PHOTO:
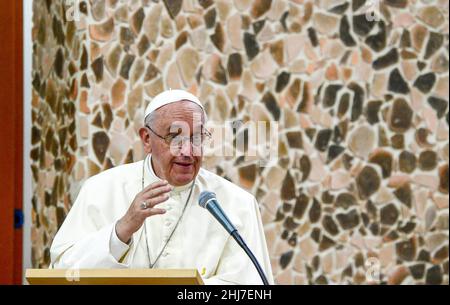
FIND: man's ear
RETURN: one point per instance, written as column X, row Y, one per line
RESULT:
column 144, row 134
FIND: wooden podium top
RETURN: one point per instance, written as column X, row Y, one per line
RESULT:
column 113, row 277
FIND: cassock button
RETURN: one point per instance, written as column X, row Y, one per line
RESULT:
column 165, row 254
column 168, row 224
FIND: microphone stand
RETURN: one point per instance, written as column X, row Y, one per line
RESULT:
column 221, row 217
column 247, row 250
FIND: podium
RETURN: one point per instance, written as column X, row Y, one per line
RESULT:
column 113, row 277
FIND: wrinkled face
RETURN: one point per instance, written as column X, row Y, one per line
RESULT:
column 175, row 161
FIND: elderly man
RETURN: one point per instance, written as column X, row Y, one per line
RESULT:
column 145, row 214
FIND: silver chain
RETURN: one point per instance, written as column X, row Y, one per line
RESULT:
column 173, row 231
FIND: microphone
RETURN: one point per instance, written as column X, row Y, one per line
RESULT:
column 208, row 200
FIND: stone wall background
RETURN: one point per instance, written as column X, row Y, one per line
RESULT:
column 362, row 176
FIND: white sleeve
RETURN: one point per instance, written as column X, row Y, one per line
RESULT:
column 116, row 246
column 86, row 239
column 93, row 251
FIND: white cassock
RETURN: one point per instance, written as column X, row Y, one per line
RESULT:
column 87, row 238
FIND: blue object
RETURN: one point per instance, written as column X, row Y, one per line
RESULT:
column 18, row 219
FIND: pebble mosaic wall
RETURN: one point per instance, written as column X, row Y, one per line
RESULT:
column 359, row 89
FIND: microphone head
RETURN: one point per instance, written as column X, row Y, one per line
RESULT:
column 204, row 197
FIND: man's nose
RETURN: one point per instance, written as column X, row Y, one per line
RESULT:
column 186, row 148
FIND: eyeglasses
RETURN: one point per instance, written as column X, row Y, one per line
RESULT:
column 177, row 140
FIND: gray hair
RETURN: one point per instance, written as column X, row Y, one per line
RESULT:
column 151, row 118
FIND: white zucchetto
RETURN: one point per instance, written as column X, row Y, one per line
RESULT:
column 168, row 97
